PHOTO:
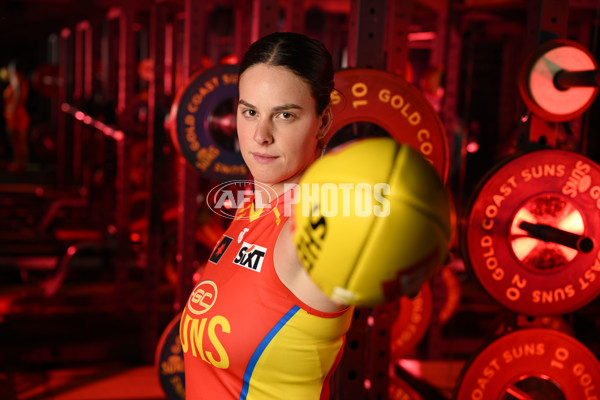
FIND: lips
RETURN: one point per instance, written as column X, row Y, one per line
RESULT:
column 263, row 158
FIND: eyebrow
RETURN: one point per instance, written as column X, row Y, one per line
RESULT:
column 288, row 106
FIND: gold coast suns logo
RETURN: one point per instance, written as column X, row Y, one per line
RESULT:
column 203, row 297
column 201, row 335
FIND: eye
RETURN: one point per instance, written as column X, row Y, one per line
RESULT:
column 286, row 115
column 249, row 112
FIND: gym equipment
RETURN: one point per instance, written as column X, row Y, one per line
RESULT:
column 46, row 81
column 532, row 231
column 391, row 103
column 531, row 364
column 169, row 361
column 410, row 387
column 555, row 322
column 202, row 121
column 451, row 295
column 400, row 390
column 412, row 322
column 559, row 80
column 372, row 221
column 415, row 314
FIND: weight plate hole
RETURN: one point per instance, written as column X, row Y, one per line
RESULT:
column 222, row 125
column 534, row 388
column 546, row 233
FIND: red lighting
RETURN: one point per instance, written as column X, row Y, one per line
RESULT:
column 414, row 367
column 79, row 115
column 83, row 25
column 113, row 13
column 135, row 237
column 227, row 204
column 196, row 277
column 118, row 135
column 420, row 36
column 472, row 147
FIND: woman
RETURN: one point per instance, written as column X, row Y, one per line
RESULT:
column 256, row 326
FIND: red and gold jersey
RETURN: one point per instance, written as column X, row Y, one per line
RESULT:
column 244, row 334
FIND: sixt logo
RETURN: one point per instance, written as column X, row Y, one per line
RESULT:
column 250, row 256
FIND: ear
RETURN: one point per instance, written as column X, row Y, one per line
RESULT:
column 326, row 120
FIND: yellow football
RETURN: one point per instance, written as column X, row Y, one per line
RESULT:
column 371, row 221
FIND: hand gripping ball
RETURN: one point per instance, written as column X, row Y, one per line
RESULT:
column 371, row 221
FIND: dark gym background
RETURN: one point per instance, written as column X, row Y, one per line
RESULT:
column 102, row 229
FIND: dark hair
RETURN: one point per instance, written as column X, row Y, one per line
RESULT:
column 306, row 57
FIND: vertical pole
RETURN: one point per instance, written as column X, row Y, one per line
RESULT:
column 194, row 27
column 52, row 58
column 155, row 141
column 457, row 140
column 243, row 26
column 398, row 22
column 88, row 59
column 169, row 60
column 64, row 71
column 438, row 50
column 77, row 97
column 545, row 20
column 194, row 34
column 78, row 68
column 126, row 60
column 366, row 34
column 122, row 219
column 364, row 370
column 294, row 16
column 581, row 126
column 81, row 92
column 265, row 15
column 86, row 95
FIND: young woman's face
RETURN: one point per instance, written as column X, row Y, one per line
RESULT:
column 278, row 127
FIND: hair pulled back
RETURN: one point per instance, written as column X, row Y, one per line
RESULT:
column 306, row 57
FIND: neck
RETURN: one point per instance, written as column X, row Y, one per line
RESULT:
column 266, row 193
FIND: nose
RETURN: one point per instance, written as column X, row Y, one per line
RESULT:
column 263, row 133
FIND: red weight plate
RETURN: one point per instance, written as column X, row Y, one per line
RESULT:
column 400, row 390
column 168, row 361
column 531, row 364
column 202, row 120
column 532, row 233
column 412, row 322
column 452, row 295
column 388, row 101
column 537, row 80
